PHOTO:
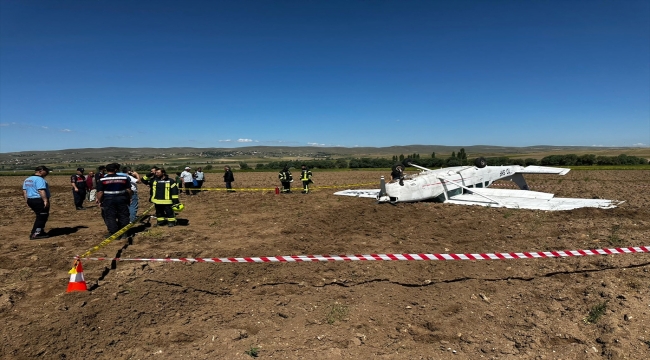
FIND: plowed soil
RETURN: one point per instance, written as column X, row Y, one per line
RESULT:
column 501, row 309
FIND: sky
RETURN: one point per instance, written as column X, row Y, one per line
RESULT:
column 78, row 74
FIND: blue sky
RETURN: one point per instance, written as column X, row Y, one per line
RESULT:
column 77, row 74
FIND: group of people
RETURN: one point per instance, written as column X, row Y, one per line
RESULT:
column 286, row 179
column 115, row 190
column 192, row 181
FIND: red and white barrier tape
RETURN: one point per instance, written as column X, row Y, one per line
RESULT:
column 396, row 257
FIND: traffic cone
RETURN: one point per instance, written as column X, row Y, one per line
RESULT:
column 77, row 282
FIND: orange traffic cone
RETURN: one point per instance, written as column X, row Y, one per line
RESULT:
column 77, row 282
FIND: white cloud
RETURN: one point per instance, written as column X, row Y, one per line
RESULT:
column 227, row 140
column 64, row 130
column 315, row 144
column 640, row 145
column 5, row 124
column 244, row 140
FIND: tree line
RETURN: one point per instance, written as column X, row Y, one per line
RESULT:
column 458, row 159
column 431, row 161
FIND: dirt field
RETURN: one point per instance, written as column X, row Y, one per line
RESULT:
column 505, row 309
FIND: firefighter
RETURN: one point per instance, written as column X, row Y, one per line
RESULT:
column 305, row 177
column 164, row 194
column 286, row 179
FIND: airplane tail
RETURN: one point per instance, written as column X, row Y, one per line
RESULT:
column 382, row 196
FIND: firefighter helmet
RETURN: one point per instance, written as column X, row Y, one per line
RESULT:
column 178, row 207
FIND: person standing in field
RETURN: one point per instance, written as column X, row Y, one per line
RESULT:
column 78, row 182
column 228, row 178
column 285, row 179
column 37, row 195
column 179, row 181
column 135, row 179
column 199, row 176
column 305, row 177
column 164, row 195
column 188, row 179
column 114, row 196
column 90, row 186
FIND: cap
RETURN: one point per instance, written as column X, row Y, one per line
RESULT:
column 42, row 168
column 80, row 169
column 187, row 168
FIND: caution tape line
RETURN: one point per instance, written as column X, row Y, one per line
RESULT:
column 273, row 189
column 392, row 257
column 119, row 233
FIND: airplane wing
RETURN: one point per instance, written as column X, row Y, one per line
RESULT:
column 364, row 193
column 533, row 169
column 525, row 199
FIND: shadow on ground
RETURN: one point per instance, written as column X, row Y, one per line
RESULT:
column 65, row 230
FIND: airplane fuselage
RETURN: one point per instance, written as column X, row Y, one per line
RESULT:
column 443, row 183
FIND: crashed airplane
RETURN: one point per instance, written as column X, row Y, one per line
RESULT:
column 468, row 185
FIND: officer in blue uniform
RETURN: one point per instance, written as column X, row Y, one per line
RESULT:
column 37, row 194
column 114, row 196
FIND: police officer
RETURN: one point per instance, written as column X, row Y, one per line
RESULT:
column 285, row 178
column 114, row 196
column 78, row 182
column 37, row 195
column 305, row 177
column 164, row 194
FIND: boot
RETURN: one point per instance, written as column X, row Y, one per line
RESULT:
column 38, row 235
column 161, row 223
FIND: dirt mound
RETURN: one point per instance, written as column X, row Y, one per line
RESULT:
column 568, row 308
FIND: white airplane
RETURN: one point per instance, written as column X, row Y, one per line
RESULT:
column 468, row 185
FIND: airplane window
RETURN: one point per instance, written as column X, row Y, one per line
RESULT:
column 454, row 192
column 487, row 183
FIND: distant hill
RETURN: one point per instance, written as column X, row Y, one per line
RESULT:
column 272, row 153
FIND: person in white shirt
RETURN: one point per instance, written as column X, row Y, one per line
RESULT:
column 200, row 177
column 135, row 179
column 188, row 180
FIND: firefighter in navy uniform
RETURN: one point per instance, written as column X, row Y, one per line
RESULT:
column 285, row 178
column 114, row 197
column 305, row 177
column 164, row 194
